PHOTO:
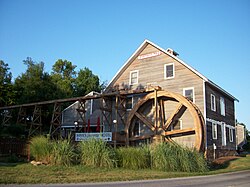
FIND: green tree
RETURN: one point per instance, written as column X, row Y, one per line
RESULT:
column 35, row 84
column 86, row 82
column 63, row 75
column 7, row 95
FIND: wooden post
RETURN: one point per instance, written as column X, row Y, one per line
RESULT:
column 28, row 156
column 156, row 111
column 116, row 120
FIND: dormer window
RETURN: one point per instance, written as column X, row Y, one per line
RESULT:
column 169, row 71
column 134, row 77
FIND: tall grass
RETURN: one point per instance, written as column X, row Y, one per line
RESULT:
column 134, row 157
column 172, row 157
column 40, row 149
column 96, row 153
column 53, row 152
column 63, row 152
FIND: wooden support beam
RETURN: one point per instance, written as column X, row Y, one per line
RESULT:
column 7, row 116
column 145, row 120
column 36, row 123
column 106, row 109
column 81, row 111
column 180, row 131
column 155, row 111
column 179, row 110
column 162, row 113
column 107, row 95
column 55, row 123
column 22, row 116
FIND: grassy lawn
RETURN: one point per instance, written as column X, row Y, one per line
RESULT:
column 27, row 173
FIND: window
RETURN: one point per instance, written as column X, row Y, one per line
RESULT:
column 222, row 106
column 214, row 130
column 213, row 103
column 223, row 134
column 169, row 71
column 134, row 77
column 137, row 129
column 231, row 133
column 189, row 93
column 129, row 103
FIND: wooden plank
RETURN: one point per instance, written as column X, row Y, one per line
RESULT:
column 179, row 110
column 180, row 131
column 145, row 120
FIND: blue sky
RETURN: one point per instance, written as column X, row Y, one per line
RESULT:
column 212, row 36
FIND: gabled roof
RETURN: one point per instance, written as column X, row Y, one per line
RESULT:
column 143, row 46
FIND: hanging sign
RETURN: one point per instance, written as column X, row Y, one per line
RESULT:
column 149, row 55
column 105, row 136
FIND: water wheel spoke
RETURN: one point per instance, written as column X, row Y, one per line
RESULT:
column 145, row 120
column 162, row 112
column 180, row 132
column 178, row 112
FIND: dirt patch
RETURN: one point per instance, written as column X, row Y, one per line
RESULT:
column 226, row 159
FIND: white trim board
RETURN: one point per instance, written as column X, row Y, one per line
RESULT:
column 220, row 123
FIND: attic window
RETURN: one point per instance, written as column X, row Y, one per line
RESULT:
column 133, row 77
column 169, row 71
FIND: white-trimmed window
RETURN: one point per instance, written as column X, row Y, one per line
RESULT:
column 133, row 78
column 223, row 134
column 231, row 135
column 214, row 130
column 222, row 106
column 213, row 103
column 169, row 71
column 189, row 93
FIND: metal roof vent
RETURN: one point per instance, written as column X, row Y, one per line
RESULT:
column 171, row 51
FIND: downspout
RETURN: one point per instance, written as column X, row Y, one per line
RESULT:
column 205, row 113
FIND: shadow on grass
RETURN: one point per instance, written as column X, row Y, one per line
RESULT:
column 11, row 164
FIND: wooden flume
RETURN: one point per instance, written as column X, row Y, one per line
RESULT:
column 155, row 101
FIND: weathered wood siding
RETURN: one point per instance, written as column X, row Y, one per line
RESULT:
column 241, row 135
column 228, row 119
column 151, row 72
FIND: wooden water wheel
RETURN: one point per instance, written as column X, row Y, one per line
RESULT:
column 167, row 116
